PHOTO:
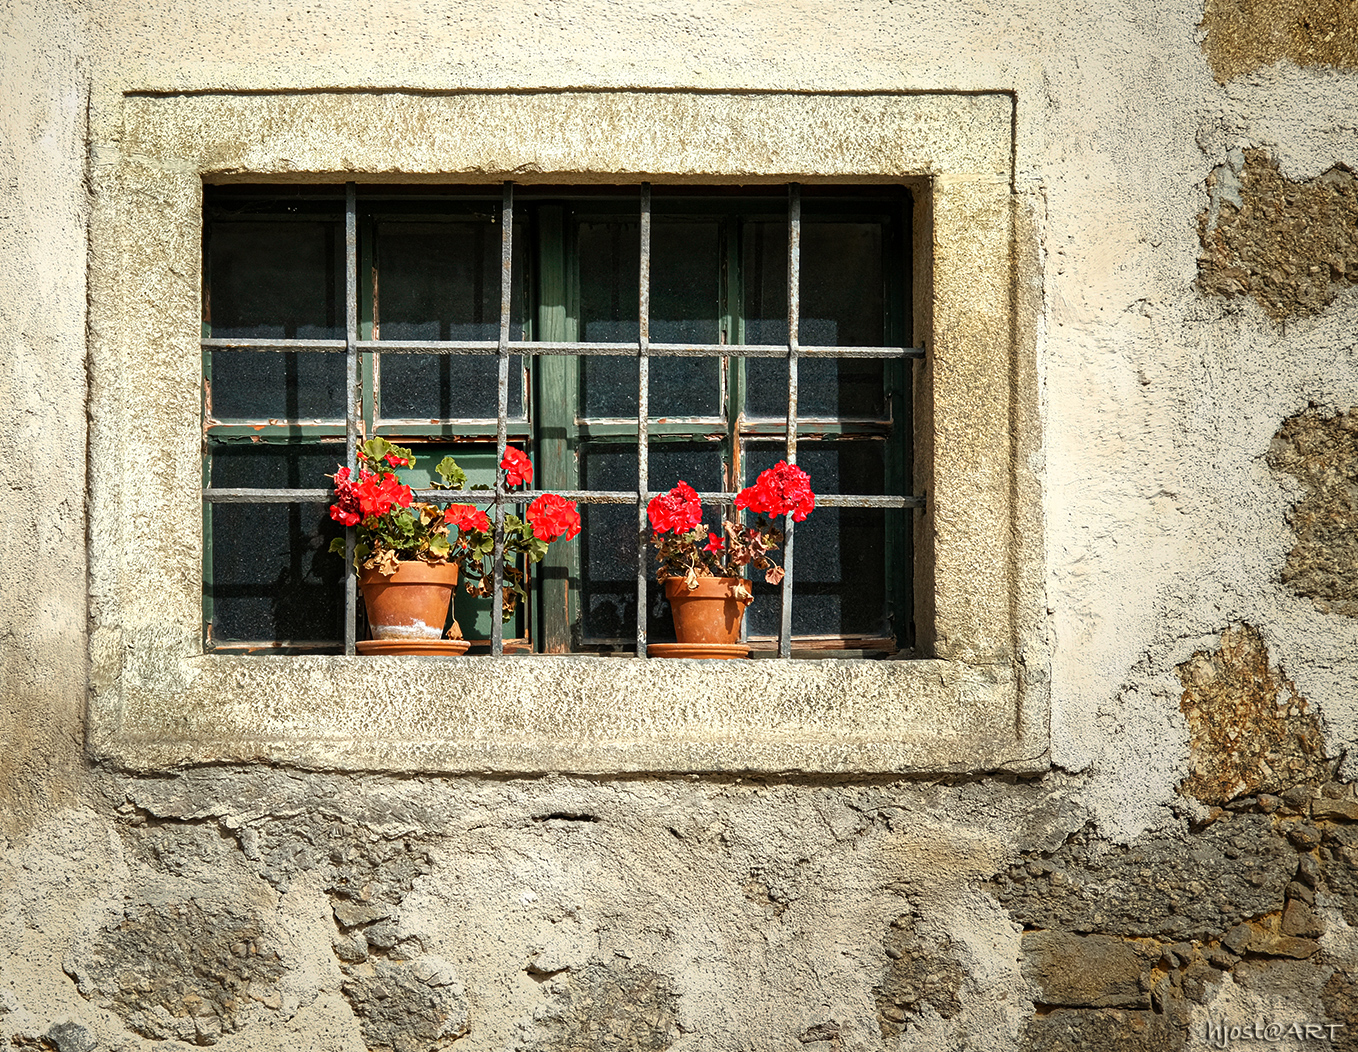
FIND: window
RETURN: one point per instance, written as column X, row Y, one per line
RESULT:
column 427, row 290
column 163, row 164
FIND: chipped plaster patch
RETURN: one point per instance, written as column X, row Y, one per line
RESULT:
column 1244, row 35
column 1321, row 450
column 1249, row 732
column 1290, row 245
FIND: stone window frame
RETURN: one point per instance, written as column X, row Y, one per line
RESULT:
column 978, row 701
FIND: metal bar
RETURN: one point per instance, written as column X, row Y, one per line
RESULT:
column 350, row 401
column 497, row 634
column 794, row 277
column 643, row 410
column 220, row 343
column 492, row 347
column 244, row 495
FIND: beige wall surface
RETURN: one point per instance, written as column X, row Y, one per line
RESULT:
column 1181, row 856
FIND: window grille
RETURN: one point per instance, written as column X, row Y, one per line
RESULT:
column 503, row 349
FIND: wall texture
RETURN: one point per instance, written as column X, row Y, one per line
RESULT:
column 1186, row 863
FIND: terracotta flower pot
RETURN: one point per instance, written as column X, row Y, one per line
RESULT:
column 411, row 604
column 708, row 614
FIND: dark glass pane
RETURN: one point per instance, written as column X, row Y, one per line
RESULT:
column 764, row 282
column 842, row 285
column 841, row 306
column 272, row 576
column 609, row 254
column 441, row 281
column 852, row 387
column 445, row 386
column 275, row 280
column 685, row 282
column 276, row 466
column 685, row 308
column 839, row 569
column 608, row 588
column 255, row 385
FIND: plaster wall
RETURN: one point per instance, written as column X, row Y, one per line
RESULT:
column 260, row 908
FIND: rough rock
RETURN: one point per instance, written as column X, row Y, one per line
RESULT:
column 1171, row 887
column 1290, row 245
column 1108, row 1030
column 1321, row 450
column 921, row 970
column 1339, row 868
column 614, row 1007
column 188, row 970
column 1301, row 921
column 1342, row 810
column 1283, row 980
column 418, row 1007
column 1248, row 729
column 1244, row 35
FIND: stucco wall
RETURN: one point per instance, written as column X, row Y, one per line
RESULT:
column 1189, row 857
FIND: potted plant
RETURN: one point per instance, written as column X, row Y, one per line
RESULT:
column 701, row 571
column 408, row 564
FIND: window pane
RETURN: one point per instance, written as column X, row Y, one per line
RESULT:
column 256, row 385
column 685, row 308
column 441, row 281
column 275, row 280
column 764, row 282
column 608, row 589
column 841, row 306
column 272, row 577
column 446, row 387
column 839, row 570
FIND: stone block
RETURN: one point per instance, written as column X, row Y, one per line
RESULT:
column 1094, row 971
column 1344, row 809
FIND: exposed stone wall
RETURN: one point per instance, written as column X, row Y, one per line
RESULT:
column 1289, row 244
column 1242, row 35
column 1320, row 449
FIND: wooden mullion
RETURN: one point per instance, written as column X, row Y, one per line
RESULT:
column 557, row 379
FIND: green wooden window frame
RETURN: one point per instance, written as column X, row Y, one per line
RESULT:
column 553, row 426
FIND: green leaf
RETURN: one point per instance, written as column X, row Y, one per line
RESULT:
column 453, row 476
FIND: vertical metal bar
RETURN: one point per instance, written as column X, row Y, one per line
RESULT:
column 350, row 400
column 643, row 411
column 794, row 267
column 497, row 630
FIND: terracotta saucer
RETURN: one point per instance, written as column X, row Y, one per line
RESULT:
column 717, row 651
column 430, row 647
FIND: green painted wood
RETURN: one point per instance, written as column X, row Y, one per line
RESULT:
column 556, row 382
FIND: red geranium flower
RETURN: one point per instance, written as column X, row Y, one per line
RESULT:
column 714, row 543
column 346, row 509
column 466, row 517
column 518, row 468
column 679, row 510
column 398, row 462
column 552, row 517
column 782, row 489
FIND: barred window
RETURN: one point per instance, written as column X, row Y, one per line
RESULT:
column 626, row 337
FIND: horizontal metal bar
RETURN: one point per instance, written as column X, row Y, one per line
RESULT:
column 523, row 347
column 249, row 495
column 218, row 343
column 244, row 495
